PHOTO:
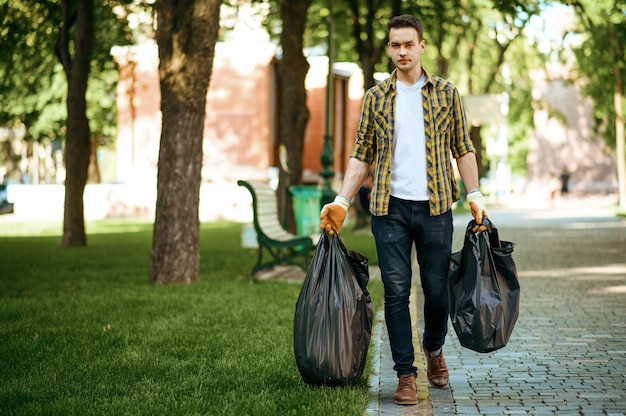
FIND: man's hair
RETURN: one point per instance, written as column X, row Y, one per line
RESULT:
column 406, row 20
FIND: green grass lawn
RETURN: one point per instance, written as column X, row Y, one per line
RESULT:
column 83, row 332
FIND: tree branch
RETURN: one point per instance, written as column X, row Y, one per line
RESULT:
column 62, row 46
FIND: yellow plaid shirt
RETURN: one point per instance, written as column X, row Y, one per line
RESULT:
column 446, row 133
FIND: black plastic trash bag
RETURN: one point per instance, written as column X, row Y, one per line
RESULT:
column 483, row 290
column 333, row 318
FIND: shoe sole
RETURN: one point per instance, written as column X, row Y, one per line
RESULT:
column 406, row 403
column 445, row 386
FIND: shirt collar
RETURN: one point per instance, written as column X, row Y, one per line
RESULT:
column 391, row 84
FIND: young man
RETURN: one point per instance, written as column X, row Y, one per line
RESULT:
column 410, row 125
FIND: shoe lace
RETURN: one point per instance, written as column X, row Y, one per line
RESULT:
column 404, row 381
column 436, row 365
column 436, row 360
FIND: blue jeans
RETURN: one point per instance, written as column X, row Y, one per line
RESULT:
column 409, row 222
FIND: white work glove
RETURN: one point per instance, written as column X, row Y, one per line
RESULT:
column 478, row 209
column 334, row 214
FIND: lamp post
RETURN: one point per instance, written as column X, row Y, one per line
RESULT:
column 327, row 157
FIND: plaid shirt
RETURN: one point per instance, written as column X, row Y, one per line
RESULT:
column 445, row 130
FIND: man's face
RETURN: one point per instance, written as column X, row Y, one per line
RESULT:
column 405, row 48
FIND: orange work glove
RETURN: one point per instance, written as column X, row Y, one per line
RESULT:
column 477, row 206
column 334, row 214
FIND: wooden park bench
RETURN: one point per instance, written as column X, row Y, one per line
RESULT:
column 282, row 246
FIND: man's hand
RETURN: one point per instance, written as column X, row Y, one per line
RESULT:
column 477, row 206
column 334, row 214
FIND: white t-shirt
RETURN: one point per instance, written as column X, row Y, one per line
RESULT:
column 408, row 165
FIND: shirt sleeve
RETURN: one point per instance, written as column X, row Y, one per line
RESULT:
column 461, row 142
column 365, row 144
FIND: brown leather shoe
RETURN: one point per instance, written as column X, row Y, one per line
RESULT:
column 407, row 390
column 437, row 371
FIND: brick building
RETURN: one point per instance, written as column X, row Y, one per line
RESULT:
column 241, row 135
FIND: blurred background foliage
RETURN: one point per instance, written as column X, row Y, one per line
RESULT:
column 483, row 46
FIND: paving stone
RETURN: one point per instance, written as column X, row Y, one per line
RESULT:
column 567, row 354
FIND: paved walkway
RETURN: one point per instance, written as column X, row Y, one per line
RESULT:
column 567, row 354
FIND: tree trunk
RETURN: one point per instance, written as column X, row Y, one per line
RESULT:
column 77, row 141
column 186, row 36
column 478, row 144
column 369, row 47
column 368, row 61
column 93, row 172
column 619, row 150
column 294, row 112
column 619, row 121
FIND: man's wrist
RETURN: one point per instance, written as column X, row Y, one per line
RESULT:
column 343, row 201
column 474, row 195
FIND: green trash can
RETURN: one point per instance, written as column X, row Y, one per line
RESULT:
column 306, row 208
